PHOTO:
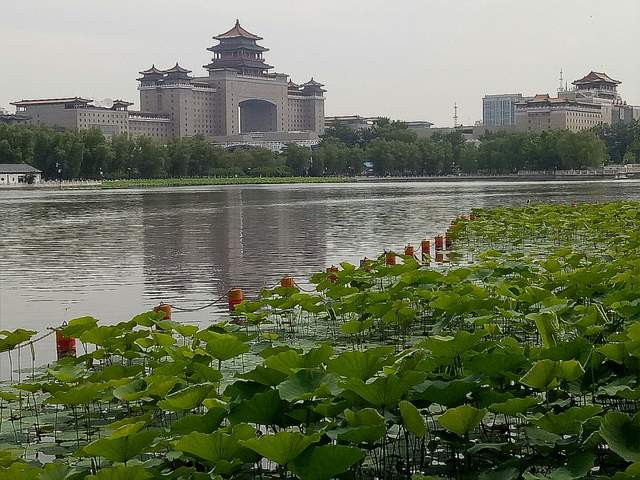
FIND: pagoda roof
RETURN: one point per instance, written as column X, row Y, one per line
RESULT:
column 292, row 84
column 594, row 77
column 238, row 62
column 50, row 101
column 312, row 83
column 236, row 32
column 227, row 47
column 121, row 103
column 152, row 71
column 177, row 69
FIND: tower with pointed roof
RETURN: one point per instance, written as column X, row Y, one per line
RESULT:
column 239, row 50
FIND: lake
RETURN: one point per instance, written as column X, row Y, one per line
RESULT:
column 113, row 254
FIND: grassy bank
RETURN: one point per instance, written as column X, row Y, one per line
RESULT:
column 197, row 181
column 520, row 364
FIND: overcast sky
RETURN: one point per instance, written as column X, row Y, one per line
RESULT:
column 407, row 59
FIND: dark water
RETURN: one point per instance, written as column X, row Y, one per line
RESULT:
column 113, row 254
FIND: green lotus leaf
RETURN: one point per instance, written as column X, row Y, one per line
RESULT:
column 187, row 330
column 412, row 419
column 132, row 391
column 263, row 375
column 121, row 448
column 449, row 394
column 263, row 408
column 68, row 373
column 78, row 326
column 364, row 426
column 186, row 399
column 121, row 472
column 622, row 434
column 78, row 395
column 451, row 347
column 547, row 325
column 568, row 422
column 353, row 327
column 221, row 446
column 306, row 384
column 287, row 362
column 206, row 423
column 570, row 370
column 385, row 391
column 542, row 375
column 8, row 396
column 206, row 373
column 325, row 462
column 282, row 447
column 461, row 420
column 9, row 340
column 362, row 365
column 222, row 346
column 578, row 466
column 514, row 406
column 115, row 372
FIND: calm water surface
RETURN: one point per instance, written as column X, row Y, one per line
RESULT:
column 113, row 254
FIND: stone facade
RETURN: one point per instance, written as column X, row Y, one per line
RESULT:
column 238, row 95
column 76, row 113
column 594, row 100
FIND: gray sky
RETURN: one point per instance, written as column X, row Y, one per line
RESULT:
column 409, row 60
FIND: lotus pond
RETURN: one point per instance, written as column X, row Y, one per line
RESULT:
column 518, row 359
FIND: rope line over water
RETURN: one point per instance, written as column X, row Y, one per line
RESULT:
column 197, row 309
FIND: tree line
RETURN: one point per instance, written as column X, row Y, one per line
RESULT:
column 386, row 148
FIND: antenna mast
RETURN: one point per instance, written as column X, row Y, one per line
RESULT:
column 455, row 115
column 561, row 88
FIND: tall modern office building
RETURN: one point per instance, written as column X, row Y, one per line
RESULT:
column 500, row 110
column 238, row 101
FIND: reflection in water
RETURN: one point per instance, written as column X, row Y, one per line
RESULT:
column 115, row 254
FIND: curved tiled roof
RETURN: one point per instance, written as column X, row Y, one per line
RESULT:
column 152, row 71
column 237, row 31
column 596, row 77
column 177, row 69
column 312, row 83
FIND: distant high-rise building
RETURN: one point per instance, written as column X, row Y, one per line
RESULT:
column 500, row 110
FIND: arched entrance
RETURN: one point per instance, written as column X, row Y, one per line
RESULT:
column 258, row 116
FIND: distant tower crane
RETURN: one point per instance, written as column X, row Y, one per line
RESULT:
column 455, row 115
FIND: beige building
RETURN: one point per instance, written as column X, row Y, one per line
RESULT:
column 594, row 100
column 238, row 96
column 76, row 113
column 545, row 113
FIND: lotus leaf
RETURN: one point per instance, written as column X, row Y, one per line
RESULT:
column 622, row 434
column 282, row 447
column 412, row 419
column 461, row 420
column 325, row 462
column 186, row 399
column 121, row 472
column 121, row 448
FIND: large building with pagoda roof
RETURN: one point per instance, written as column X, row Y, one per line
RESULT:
column 593, row 100
column 239, row 98
column 237, row 101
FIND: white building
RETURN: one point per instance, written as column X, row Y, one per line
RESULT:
column 18, row 174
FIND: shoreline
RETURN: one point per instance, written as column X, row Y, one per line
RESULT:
column 218, row 181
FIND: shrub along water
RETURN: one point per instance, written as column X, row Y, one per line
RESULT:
column 519, row 363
